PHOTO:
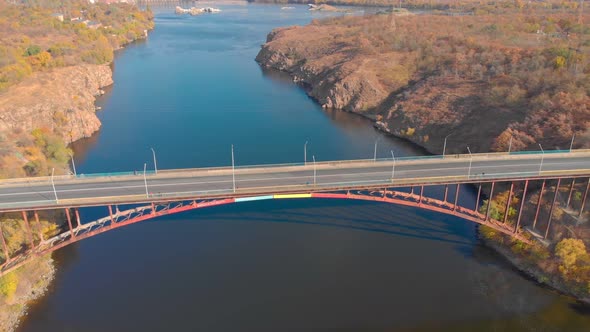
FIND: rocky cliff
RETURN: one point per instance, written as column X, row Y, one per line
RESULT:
column 61, row 100
column 425, row 77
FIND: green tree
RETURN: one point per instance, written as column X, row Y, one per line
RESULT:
column 569, row 252
column 32, row 50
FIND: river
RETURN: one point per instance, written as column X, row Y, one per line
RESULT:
column 190, row 91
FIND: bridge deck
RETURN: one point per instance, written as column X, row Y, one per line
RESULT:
column 205, row 183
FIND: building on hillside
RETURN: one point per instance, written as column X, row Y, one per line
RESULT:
column 58, row 16
column 114, row 1
column 92, row 24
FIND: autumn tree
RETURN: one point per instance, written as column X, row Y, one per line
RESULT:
column 570, row 251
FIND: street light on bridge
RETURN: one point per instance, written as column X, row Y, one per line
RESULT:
column 314, row 170
column 470, row 161
column 572, row 143
column 542, row 157
column 305, row 153
column 375, row 151
column 147, row 194
column 155, row 164
column 445, row 144
column 73, row 164
column 233, row 168
column 53, row 185
column 392, row 167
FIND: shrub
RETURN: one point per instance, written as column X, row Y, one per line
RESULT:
column 8, row 285
column 32, row 50
column 569, row 252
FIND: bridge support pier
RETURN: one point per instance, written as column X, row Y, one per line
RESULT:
column 522, row 200
column 111, row 215
column 39, row 227
column 446, row 193
column 490, row 201
column 584, row 199
column 539, row 204
column 28, row 229
column 70, row 222
column 569, row 196
column 552, row 207
column 478, row 197
column 456, row 197
column 4, row 245
column 421, row 194
column 77, row 212
column 508, row 202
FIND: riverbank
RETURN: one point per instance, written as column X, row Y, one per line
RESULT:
column 428, row 78
column 532, row 270
column 22, row 287
column 53, row 68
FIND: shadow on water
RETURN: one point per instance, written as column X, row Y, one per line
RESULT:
column 383, row 218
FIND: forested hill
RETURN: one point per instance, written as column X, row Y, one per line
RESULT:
column 485, row 79
column 40, row 35
column 448, row 6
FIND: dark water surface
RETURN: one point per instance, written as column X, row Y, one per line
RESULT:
column 190, row 91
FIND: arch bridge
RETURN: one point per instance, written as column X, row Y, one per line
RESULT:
column 400, row 181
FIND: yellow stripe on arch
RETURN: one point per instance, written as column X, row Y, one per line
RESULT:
column 291, row 196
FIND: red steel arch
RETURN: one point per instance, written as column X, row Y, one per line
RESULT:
column 154, row 210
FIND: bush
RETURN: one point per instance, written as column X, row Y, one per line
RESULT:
column 8, row 285
column 32, row 50
column 569, row 252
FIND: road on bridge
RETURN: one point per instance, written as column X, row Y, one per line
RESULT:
column 39, row 193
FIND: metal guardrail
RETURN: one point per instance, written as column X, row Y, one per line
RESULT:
column 296, row 187
column 270, row 166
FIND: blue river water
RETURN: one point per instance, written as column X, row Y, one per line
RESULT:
column 190, row 91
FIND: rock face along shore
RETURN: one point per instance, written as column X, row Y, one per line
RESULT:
column 63, row 97
column 423, row 77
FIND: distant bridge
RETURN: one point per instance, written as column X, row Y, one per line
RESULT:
column 398, row 181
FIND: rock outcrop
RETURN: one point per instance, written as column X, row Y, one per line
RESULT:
column 60, row 99
column 424, row 86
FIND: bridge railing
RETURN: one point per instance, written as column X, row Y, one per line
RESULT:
column 299, row 186
column 514, row 154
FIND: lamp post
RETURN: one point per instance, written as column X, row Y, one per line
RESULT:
column 572, row 143
column 314, row 170
column 445, row 144
column 392, row 167
column 375, row 151
column 470, row 161
column 542, row 157
column 155, row 164
column 510, row 145
column 73, row 164
column 147, row 194
column 305, row 153
column 233, row 168
column 53, row 185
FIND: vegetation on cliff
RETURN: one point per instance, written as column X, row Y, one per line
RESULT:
column 37, row 36
column 41, row 43
column 448, row 6
column 563, row 262
column 484, row 78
